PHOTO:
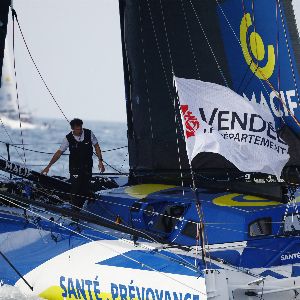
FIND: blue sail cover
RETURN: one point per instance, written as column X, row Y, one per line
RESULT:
column 250, row 46
column 4, row 5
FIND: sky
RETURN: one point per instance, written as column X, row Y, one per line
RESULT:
column 77, row 46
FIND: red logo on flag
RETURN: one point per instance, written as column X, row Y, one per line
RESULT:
column 191, row 122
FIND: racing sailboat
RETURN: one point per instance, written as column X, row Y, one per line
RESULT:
column 9, row 112
column 185, row 226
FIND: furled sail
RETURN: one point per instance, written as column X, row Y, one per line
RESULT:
column 249, row 46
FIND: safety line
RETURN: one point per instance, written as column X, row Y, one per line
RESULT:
column 110, row 248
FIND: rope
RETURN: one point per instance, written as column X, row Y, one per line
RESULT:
column 146, row 75
column 100, row 199
column 197, row 223
column 51, row 153
column 170, row 94
column 277, row 94
column 256, row 62
column 190, row 40
column 96, row 215
column 209, row 45
column 17, row 90
column 292, row 203
column 105, row 245
column 151, row 238
column 21, row 157
column 175, row 103
column 237, row 39
column 289, row 51
column 35, row 65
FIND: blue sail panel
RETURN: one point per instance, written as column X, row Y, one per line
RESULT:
column 261, row 45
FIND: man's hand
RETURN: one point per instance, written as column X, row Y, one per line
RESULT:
column 101, row 166
column 46, row 170
column 55, row 157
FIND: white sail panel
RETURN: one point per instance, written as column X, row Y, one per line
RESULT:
column 218, row 120
column 8, row 95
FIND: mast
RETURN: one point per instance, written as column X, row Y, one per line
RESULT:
column 4, row 6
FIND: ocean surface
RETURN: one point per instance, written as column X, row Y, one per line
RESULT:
column 35, row 145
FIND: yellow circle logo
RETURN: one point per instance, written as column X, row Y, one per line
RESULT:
column 243, row 200
column 257, row 49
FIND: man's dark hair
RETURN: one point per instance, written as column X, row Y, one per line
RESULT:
column 76, row 122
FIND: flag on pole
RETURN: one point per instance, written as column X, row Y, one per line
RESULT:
column 218, row 120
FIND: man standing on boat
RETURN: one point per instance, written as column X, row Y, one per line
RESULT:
column 80, row 142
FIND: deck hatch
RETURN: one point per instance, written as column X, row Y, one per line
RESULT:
column 260, row 227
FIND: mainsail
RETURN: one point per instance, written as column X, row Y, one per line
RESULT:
column 251, row 47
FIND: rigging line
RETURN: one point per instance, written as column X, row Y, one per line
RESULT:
column 21, row 157
column 228, row 247
column 174, row 98
column 121, row 169
column 51, row 153
column 146, row 74
column 197, row 202
column 159, row 51
column 99, row 216
column 230, row 26
column 36, row 151
column 289, row 50
column 124, row 205
column 14, row 13
column 171, row 95
column 151, row 238
column 190, row 40
column 252, row 61
column 292, row 203
column 248, row 67
column 208, row 43
column 110, row 248
column 278, row 95
column 114, row 149
column 111, row 166
column 15, row 269
column 277, row 47
column 128, row 98
column 17, row 91
column 145, row 210
column 150, row 211
column 186, row 263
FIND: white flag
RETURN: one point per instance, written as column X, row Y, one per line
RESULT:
column 218, row 120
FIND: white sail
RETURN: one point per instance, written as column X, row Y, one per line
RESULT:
column 8, row 95
column 9, row 111
column 296, row 5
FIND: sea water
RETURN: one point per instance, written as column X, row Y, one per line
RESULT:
column 36, row 146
